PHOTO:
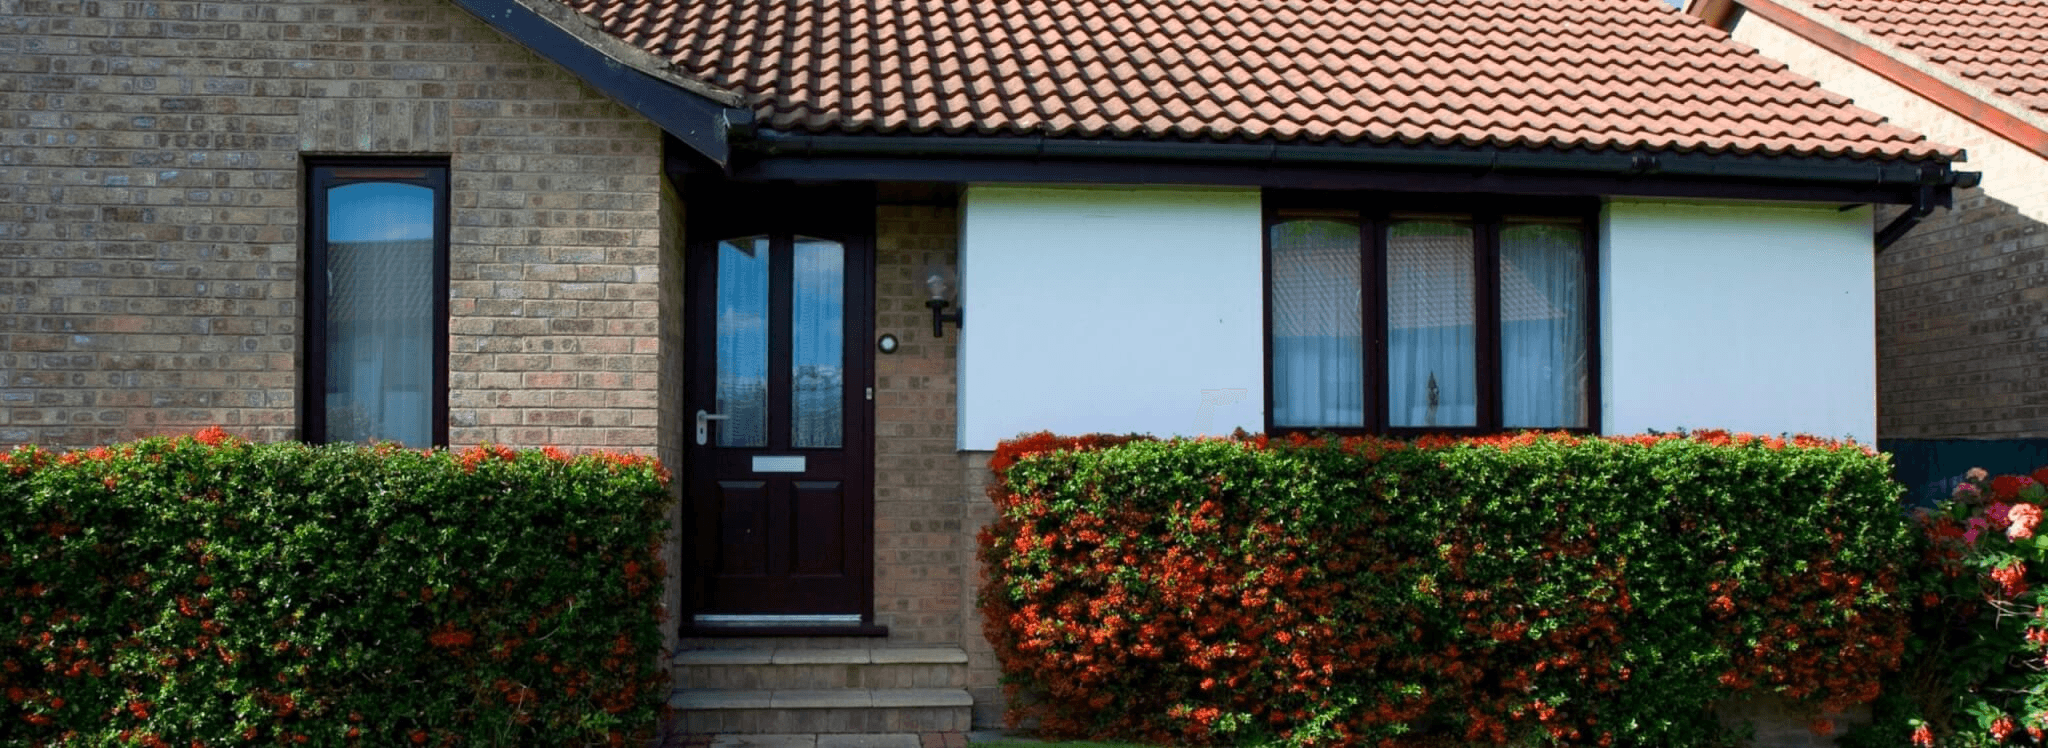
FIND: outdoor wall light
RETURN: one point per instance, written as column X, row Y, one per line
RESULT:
column 940, row 282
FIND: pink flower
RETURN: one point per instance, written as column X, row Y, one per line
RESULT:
column 2024, row 517
column 1998, row 511
column 1976, row 525
column 1965, row 491
column 1923, row 737
column 1976, row 473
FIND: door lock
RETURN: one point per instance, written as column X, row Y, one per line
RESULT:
column 704, row 419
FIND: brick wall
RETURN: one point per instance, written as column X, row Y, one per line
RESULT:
column 150, row 184
column 1962, row 303
column 922, row 547
column 929, row 497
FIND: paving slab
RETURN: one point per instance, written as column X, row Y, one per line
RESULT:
column 764, row 741
column 991, row 736
column 883, row 740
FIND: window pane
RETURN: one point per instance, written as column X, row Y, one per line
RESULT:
column 1430, row 313
column 817, row 331
column 1318, row 363
column 1543, row 326
column 742, row 381
column 380, row 313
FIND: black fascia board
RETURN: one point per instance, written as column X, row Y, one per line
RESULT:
column 776, row 155
column 698, row 122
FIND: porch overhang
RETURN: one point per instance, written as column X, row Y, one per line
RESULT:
column 699, row 115
column 771, row 155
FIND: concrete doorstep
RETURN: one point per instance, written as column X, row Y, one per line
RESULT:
column 881, row 740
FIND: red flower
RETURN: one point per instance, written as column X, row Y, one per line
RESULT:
column 2011, row 578
column 212, row 436
column 2002, row 727
column 1923, row 737
column 2006, row 487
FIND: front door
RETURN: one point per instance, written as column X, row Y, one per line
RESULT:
column 777, row 406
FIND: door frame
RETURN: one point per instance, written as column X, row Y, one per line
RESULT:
column 848, row 211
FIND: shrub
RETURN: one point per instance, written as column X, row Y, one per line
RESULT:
column 211, row 592
column 1976, row 673
column 1537, row 589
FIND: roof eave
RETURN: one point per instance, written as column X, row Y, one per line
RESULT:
column 781, row 155
column 703, row 117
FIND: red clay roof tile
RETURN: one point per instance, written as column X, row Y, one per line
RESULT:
column 1999, row 44
column 1592, row 74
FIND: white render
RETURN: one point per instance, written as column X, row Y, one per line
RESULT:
column 1750, row 317
column 1117, row 310
column 1139, row 309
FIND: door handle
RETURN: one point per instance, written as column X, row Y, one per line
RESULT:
column 704, row 419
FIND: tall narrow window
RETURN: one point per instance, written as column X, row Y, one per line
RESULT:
column 1431, row 322
column 377, row 292
column 1318, row 368
column 1543, row 353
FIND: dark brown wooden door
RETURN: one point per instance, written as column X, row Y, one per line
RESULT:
column 777, row 411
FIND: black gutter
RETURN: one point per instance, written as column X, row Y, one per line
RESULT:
column 698, row 121
column 1905, row 177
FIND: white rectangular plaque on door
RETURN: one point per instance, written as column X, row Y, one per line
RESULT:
column 779, row 464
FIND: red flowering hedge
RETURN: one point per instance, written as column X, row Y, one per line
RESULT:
column 1539, row 589
column 211, row 592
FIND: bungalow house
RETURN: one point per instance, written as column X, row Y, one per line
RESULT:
column 820, row 257
column 1959, row 313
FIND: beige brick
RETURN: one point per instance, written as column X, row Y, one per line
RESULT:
column 151, row 211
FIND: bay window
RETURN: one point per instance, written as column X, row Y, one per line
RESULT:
column 1386, row 315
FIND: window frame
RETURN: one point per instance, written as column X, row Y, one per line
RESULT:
column 319, row 173
column 1374, row 211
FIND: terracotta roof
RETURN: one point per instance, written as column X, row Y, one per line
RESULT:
column 1572, row 74
column 1999, row 44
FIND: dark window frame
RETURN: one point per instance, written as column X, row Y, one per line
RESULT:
column 1486, row 212
column 320, row 175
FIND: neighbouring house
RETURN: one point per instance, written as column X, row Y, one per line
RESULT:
column 1962, row 357
column 821, row 256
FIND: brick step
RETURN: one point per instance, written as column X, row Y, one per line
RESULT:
column 826, row 710
column 804, row 668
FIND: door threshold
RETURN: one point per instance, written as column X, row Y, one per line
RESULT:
column 706, row 624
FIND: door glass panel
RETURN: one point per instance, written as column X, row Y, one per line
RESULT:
column 380, row 313
column 742, row 379
column 1431, row 370
column 817, row 327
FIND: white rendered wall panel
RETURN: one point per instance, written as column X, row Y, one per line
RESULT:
column 1754, row 318
column 1110, row 310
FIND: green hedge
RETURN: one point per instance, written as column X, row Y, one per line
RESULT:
column 203, row 591
column 1540, row 590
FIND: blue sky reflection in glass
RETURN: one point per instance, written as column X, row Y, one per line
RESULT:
column 380, row 211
